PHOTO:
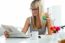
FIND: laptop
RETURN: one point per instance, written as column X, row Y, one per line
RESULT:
column 13, row 32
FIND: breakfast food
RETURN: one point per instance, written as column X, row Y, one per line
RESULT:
column 62, row 41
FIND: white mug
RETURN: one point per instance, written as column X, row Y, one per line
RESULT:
column 34, row 35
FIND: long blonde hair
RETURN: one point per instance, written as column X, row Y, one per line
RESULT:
column 36, row 4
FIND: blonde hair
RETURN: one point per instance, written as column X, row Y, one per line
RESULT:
column 37, row 4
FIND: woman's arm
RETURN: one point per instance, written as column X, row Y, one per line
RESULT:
column 26, row 26
column 49, row 24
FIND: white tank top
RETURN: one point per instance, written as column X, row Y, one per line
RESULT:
column 41, row 31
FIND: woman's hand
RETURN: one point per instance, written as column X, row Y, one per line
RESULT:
column 6, row 34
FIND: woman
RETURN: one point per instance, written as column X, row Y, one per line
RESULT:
column 35, row 21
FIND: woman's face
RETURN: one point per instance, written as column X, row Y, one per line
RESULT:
column 35, row 11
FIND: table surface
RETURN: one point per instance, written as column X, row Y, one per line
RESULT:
column 43, row 39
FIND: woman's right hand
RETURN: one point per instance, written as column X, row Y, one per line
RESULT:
column 6, row 34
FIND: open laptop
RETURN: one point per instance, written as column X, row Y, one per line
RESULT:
column 13, row 32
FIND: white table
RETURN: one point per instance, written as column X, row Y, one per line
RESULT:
column 43, row 39
column 2, row 39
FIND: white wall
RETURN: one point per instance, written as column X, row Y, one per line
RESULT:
column 61, row 3
column 15, row 12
